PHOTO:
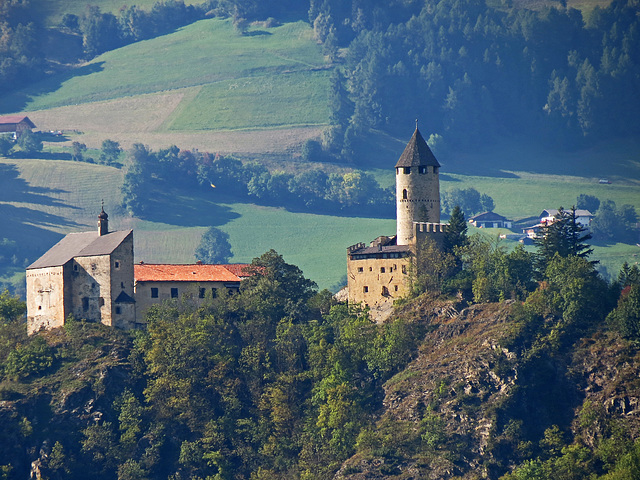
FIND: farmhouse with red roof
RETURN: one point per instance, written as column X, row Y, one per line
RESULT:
column 16, row 125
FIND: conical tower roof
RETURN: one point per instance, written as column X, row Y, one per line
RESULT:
column 417, row 153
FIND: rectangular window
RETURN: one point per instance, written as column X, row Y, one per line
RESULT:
column 395, row 288
column 365, row 289
column 85, row 304
column 117, row 265
column 214, row 292
column 201, row 292
column 174, row 293
column 422, row 169
column 360, row 269
column 381, row 269
column 407, row 170
column 118, row 311
column 404, row 269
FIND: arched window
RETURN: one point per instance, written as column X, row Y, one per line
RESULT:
column 404, row 194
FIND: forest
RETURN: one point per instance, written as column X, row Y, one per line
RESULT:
column 280, row 381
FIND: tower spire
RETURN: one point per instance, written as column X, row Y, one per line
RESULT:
column 103, row 221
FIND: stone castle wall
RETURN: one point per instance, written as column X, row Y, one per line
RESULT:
column 417, row 199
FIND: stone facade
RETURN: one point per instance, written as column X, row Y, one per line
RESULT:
column 157, row 283
column 88, row 275
column 381, row 273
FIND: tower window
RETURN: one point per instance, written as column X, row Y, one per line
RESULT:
column 154, row 292
column 360, row 269
column 404, row 269
column 385, row 291
column 422, row 169
column 395, row 287
column 406, row 170
column 365, row 289
column 404, row 194
column 118, row 310
column 117, row 265
column 381, row 269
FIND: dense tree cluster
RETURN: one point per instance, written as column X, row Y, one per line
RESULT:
column 469, row 200
column 271, row 382
column 480, row 71
column 311, row 190
column 21, row 61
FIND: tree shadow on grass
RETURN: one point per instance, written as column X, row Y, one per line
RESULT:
column 17, row 101
column 16, row 189
column 187, row 207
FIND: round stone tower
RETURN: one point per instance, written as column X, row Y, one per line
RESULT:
column 417, row 188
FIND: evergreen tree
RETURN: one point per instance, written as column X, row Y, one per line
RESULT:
column 456, row 234
column 563, row 236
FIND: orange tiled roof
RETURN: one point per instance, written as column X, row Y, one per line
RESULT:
column 239, row 269
column 184, row 273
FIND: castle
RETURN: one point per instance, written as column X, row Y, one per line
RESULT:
column 92, row 276
column 381, row 273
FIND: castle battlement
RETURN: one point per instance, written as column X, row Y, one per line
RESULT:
column 431, row 227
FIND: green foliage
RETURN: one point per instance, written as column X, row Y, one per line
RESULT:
column 30, row 142
column 214, row 247
column 613, row 223
column 11, row 308
column 588, row 202
column 6, row 145
column 110, row 152
column 31, row 359
column 626, row 316
column 563, row 236
column 469, row 200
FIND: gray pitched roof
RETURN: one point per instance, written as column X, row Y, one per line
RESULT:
column 86, row 244
column 381, row 249
column 417, row 153
column 487, row 217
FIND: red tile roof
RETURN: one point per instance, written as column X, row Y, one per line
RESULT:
column 15, row 119
column 187, row 273
column 239, row 269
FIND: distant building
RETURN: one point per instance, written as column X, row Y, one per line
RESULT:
column 490, row 220
column 16, row 125
column 583, row 217
column 548, row 216
column 381, row 273
column 156, row 283
column 88, row 275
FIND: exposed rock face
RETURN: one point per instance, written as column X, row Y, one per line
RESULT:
column 445, row 415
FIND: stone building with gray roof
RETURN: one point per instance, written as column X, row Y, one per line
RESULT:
column 88, row 275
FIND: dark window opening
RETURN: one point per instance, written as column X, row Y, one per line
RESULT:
column 214, row 292
column 407, row 170
column 122, row 285
column 360, row 269
column 101, row 302
column 117, row 264
column 174, row 293
column 75, row 268
column 154, row 292
column 385, row 291
column 382, row 270
column 404, row 269
column 201, row 292
column 39, row 307
column 85, row 304
column 118, row 310
column 404, row 194
column 395, row 288
column 365, row 289
column 422, row 169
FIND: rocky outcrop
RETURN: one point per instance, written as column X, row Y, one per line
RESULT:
column 464, row 382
